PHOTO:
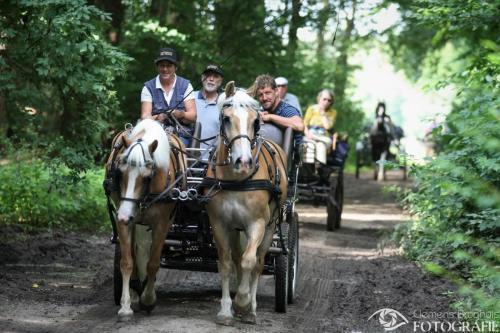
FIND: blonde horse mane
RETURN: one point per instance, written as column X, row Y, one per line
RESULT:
column 148, row 131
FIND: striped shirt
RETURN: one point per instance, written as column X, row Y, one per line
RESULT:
column 287, row 111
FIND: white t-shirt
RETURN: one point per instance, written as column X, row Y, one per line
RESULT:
column 146, row 95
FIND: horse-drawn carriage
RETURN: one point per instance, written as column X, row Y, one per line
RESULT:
column 200, row 195
column 378, row 144
column 323, row 184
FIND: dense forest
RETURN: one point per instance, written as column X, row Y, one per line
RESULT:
column 71, row 73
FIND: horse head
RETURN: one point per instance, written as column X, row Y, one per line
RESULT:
column 239, row 124
column 145, row 155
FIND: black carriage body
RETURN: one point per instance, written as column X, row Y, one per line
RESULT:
column 322, row 184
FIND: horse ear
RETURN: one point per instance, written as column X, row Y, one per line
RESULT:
column 230, row 89
column 152, row 147
column 126, row 141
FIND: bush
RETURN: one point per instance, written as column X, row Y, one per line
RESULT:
column 33, row 195
column 456, row 204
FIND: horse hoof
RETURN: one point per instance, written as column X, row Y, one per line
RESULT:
column 249, row 318
column 241, row 310
column 124, row 316
column 135, row 306
column 225, row 320
column 147, row 308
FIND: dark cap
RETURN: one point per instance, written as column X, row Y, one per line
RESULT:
column 168, row 54
column 213, row 69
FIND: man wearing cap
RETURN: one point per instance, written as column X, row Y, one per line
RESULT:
column 206, row 106
column 277, row 111
column 169, row 91
column 282, row 85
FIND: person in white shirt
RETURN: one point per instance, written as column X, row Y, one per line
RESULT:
column 169, row 91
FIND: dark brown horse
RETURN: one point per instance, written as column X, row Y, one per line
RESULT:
column 380, row 139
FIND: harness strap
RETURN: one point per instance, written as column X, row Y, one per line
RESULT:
column 248, row 185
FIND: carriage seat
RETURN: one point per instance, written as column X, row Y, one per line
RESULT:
column 196, row 135
column 284, row 138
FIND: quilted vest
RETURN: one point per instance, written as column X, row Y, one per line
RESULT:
column 159, row 102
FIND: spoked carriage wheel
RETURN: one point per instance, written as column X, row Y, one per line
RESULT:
column 334, row 202
column 293, row 257
column 117, row 275
column 281, row 274
column 340, row 196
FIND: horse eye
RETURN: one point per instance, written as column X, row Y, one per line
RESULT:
column 226, row 105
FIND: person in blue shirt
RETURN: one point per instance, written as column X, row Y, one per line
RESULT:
column 206, row 106
column 276, row 111
column 169, row 91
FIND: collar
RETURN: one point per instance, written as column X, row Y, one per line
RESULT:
column 201, row 96
column 158, row 83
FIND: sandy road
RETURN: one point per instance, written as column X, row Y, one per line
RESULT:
column 62, row 282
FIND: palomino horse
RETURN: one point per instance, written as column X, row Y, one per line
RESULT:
column 142, row 166
column 380, row 138
column 252, row 181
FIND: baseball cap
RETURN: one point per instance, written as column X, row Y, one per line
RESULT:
column 281, row 81
column 213, row 69
column 168, row 54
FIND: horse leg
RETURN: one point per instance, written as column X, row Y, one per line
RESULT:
column 381, row 168
column 255, row 234
column 251, row 316
column 141, row 250
column 160, row 230
column 237, row 244
column 225, row 314
column 126, row 266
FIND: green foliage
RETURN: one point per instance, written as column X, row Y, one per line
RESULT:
column 456, row 203
column 57, row 74
column 30, row 195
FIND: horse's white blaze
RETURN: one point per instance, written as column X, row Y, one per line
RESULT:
column 242, row 147
column 126, row 209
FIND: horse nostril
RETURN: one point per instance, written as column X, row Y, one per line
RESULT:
column 237, row 163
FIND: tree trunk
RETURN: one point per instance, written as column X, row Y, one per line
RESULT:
column 324, row 15
column 342, row 71
column 159, row 9
column 295, row 24
column 117, row 11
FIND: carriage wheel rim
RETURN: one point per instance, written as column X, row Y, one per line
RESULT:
column 295, row 264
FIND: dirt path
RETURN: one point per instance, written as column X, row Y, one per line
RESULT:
column 62, row 282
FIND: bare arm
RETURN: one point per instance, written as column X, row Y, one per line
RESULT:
column 190, row 112
column 294, row 122
column 146, row 110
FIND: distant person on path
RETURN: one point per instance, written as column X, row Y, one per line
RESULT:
column 380, row 112
column 206, row 106
column 282, row 85
column 169, row 91
column 319, row 121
